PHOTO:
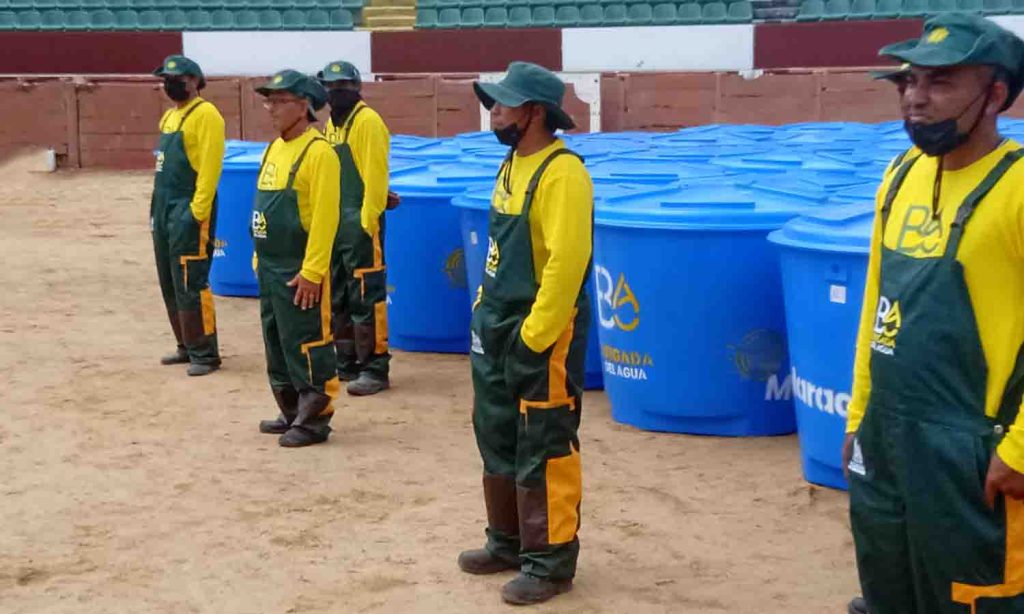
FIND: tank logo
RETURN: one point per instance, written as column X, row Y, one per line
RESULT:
column 219, row 245
column 825, row 400
column 259, row 225
column 493, row 257
column 888, row 321
column 617, row 305
column 455, row 269
column 759, row 355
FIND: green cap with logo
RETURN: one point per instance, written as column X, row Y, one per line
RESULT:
column 179, row 65
column 960, row 39
column 340, row 71
column 525, row 82
column 297, row 83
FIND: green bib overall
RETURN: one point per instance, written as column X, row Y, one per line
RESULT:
column 298, row 343
column 183, row 247
column 527, row 406
column 926, row 541
column 358, row 274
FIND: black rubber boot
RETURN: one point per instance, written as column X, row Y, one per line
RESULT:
column 529, row 590
column 179, row 357
column 858, row 606
column 309, row 427
column 481, row 562
column 287, row 401
column 367, row 385
column 198, row 370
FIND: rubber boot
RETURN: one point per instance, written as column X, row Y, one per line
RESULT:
column 309, row 427
column 180, row 356
column 481, row 562
column 529, row 590
column 367, row 383
column 858, row 606
column 345, row 347
column 287, row 401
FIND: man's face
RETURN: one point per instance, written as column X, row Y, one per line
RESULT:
column 502, row 117
column 936, row 94
column 285, row 109
column 351, row 86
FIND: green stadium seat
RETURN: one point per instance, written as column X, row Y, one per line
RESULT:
column 615, row 15
column 341, row 19
column 519, row 17
column 836, row 9
column 270, row 20
column 21, row 4
column 247, row 20
column 317, row 19
column 936, row 7
column 639, row 14
column 76, row 20
column 862, row 9
column 471, row 4
column 116, row 5
column 567, row 16
column 102, row 19
column 175, row 19
column 5, row 5
column 8, row 20
column 591, row 15
column 543, row 17
column 495, row 17
column 888, row 9
column 352, row 4
column 472, row 17
column 331, row 4
column 199, row 19
column 740, row 12
column 421, row 4
column 997, row 7
column 811, row 10
column 30, row 20
column 293, row 19
column 141, row 5
column 914, row 8
column 449, row 18
column 126, row 19
column 688, row 13
column 165, row 4
column 235, row 5
column 1018, row 6
column 42, row 5
column 223, row 19
column 52, row 19
column 714, row 12
column 426, row 19
column 448, row 4
column 151, row 20
column 664, row 14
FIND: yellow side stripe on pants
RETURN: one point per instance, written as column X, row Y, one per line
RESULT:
column 564, row 478
column 332, row 387
column 206, row 309
column 559, row 355
column 204, row 237
column 1013, row 575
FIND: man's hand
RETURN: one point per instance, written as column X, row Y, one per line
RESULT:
column 1002, row 479
column 848, row 453
column 307, row 293
column 393, row 200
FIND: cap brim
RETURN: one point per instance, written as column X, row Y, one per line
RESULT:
column 889, row 75
column 162, row 72
column 267, row 88
column 491, row 93
column 912, row 52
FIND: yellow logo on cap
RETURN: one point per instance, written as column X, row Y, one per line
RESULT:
column 937, row 35
column 278, row 79
column 335, row 68
column 172, row 64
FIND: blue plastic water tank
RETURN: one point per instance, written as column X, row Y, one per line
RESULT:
column 690, row 313
column 824, row 258
column 231, row 272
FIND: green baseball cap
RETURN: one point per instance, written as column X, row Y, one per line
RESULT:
column 301, row 85
column 340, row 70
column 960, row 39
column 177, row 65
column 525, row 82
column 892, row 74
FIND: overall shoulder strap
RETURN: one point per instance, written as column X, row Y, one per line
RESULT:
column 352, row 120
column 894, row 187
column 531, row 188
column 300, row 159
column 970, row 204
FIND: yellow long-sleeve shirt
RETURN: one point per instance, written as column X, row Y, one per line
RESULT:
column 561, row 218
column 317, row 185
column 370, row 142
column 204, row 147
column 992, row 255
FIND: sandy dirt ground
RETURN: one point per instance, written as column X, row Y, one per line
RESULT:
column 128, row 487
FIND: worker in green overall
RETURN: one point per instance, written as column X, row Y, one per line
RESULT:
column 935, row 446
column 294, row 221
column 183, row 213
column 529, row 337
column 358, row 273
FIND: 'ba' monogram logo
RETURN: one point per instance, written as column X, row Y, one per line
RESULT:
column 493, row 257
column 921, row 233
column 888, row 321
column 259, row 225
column 617, row 306
column 268, row 177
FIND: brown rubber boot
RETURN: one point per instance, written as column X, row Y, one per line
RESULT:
column 482, row 563
column 179, row 357
column 310, row 426
column 858, row 606
column 287, row 401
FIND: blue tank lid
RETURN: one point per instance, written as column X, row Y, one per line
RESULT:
column 720, row 206
column 654, row 171
column 433, row 150
column 480, row 199
column 402, row 166
column 842, row 228
column 244, row 160
column 862, row 193
column 443, row 180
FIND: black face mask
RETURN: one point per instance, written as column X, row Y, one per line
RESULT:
column 942, row 137
column 342, row 102
column 176, row 90
column 511, row 134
